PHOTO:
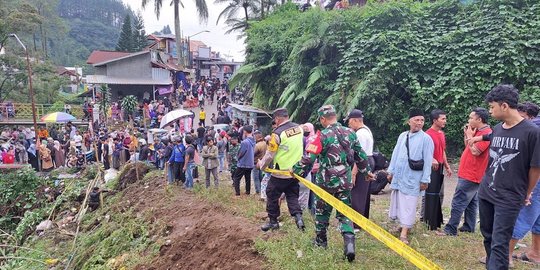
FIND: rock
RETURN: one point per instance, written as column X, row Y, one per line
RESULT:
column 299, row 254
column 65, row 221
column 110, row 174
column 44, row 225
column 261, row 215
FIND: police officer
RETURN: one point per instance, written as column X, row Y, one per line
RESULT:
column 338, row 149
column 285, row 149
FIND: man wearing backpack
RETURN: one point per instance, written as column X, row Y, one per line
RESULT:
column 177, row 159
column 360, row 193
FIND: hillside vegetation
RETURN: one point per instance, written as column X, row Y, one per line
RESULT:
column 385, row 58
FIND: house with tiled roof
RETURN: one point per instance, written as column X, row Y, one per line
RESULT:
column 147, row 74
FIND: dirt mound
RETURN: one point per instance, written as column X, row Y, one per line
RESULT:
column 197, row 234
column 131, row 173
column 214, row 243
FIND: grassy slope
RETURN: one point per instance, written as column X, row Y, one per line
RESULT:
column 124, row 240
column 291, row 249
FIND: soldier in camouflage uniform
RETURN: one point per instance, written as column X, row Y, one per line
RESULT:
column 338, row 150
column 233, row 154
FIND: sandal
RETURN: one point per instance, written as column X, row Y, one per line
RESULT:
column 523, row 257
column 404, row 240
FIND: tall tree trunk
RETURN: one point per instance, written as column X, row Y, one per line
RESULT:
column 34, row 37
column 179, row 49
column 42, row 36
column 262, row 9
column 44, row 44
column 246, row 14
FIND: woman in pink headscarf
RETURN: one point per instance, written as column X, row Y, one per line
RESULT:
column 304, row 194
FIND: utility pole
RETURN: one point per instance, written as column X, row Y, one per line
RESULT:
column 30, row 88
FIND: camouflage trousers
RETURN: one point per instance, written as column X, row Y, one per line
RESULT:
column 323, row 211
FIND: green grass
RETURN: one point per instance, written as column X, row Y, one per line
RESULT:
column 289, row 248
column 123, row 239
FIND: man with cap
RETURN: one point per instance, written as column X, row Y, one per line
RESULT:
column 360, row 195
column 337, row 149
column 409, row 173
column 285, row 149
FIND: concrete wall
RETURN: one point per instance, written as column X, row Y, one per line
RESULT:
column 100, row 70
column 134, row 67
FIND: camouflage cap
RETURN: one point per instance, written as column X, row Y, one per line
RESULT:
column 326, row 110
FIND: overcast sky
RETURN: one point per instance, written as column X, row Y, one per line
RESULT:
column 227, row 45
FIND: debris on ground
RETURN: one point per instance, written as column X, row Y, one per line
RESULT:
column 131, row 173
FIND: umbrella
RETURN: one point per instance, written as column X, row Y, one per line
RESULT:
column 174, row 115
column 58, row 117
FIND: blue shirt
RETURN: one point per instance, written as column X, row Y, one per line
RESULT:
column 404, row 179
column 246, row 153
column 178, row 153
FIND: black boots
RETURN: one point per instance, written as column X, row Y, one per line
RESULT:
column 348, row 246
column 271, row 225
column 321, row 240
column 299, row 222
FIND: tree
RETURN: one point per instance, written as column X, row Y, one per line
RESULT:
column 249, row 7
column 202, row 10
column 129, row 103
column 125, row 42
column 139, row 35
column 166, row 30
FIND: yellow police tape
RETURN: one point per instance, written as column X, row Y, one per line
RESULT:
column 369, row 226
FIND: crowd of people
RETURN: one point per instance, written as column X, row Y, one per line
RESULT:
column 55, row 147
column 497, row 174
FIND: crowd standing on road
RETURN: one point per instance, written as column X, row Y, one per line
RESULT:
column 497, row 176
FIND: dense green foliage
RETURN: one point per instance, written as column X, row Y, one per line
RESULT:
column 133, row 36
column 64, row 31
column 385, row 58
column 55, row 32
column 94, row 25
column 126, row 40
column 18, row 195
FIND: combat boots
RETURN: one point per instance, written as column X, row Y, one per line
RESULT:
column 299, row 222
column 271, row 225
column 348, row 246
column 320, row 240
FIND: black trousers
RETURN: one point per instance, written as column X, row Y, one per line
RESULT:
column 237, row 177
column 178, row 174
column 360, row 196
column 497, row 225
column 106, row 163
column 360, row 193
column 277, row 186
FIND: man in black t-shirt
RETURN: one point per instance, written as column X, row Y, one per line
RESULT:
column 512, row 173
column 200, row 136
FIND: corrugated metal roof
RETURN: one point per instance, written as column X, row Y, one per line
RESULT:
column 102, row 79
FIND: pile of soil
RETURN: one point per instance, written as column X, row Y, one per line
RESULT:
column 197, row 234
column 131, row 173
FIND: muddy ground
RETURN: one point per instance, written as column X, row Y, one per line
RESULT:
column 196, row 234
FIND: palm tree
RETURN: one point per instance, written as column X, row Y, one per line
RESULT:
column 230, row 13
column 202, row 10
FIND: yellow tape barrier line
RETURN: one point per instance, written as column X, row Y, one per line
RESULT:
column 369, row 226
